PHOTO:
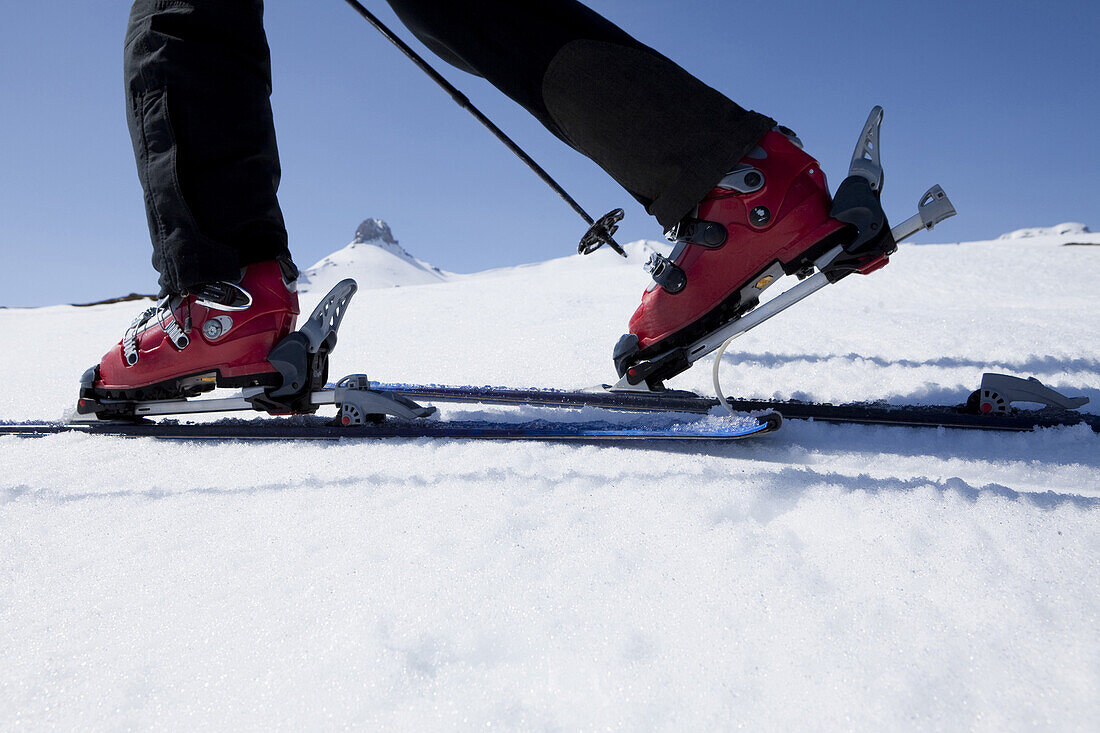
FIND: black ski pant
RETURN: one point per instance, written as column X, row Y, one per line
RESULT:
column 198, row 82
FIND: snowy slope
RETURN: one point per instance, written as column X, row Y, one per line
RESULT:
column 827, row 577
column 1065, row 232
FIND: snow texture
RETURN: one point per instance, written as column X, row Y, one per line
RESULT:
column 826, row 577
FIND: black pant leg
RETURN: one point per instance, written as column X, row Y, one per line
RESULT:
column 666, row 137
column 198, row 82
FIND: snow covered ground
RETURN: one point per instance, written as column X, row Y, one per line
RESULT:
column 826, row 577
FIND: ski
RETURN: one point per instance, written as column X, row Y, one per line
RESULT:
column 315, row 428
column 989, row 408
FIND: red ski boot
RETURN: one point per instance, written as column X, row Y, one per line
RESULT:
column 219, row 335
column 770, row 216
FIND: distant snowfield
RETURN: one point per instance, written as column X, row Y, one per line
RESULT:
column 1059, row 231
column 826, row 577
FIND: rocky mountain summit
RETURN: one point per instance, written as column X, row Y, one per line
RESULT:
column 374, row 231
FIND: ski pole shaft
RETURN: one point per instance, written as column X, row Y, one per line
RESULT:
column 465, row 103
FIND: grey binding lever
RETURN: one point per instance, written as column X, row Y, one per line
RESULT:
column 321, row 326
column 865, row 160
column 933, row 207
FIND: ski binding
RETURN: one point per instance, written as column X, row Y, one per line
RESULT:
column 998, row 391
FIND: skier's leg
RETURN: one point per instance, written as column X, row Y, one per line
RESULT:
column 666, row 137
column 198, row 82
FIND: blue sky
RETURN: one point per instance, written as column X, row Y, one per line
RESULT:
column 996, row 101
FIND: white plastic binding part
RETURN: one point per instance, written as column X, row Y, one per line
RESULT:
column 999, row 391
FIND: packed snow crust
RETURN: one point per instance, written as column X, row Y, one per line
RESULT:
column 826, row 577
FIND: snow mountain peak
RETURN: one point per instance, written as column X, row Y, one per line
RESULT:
column 377, row 233
column 374, row 259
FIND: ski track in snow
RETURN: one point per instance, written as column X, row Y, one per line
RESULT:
column 828, row 576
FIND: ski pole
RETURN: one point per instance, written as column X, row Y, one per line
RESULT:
column 599, row 233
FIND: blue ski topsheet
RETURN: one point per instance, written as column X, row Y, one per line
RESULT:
column 312, row 428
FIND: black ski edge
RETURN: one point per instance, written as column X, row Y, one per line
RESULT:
column 928, row 416
column 667, row 401
column 920, row 415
